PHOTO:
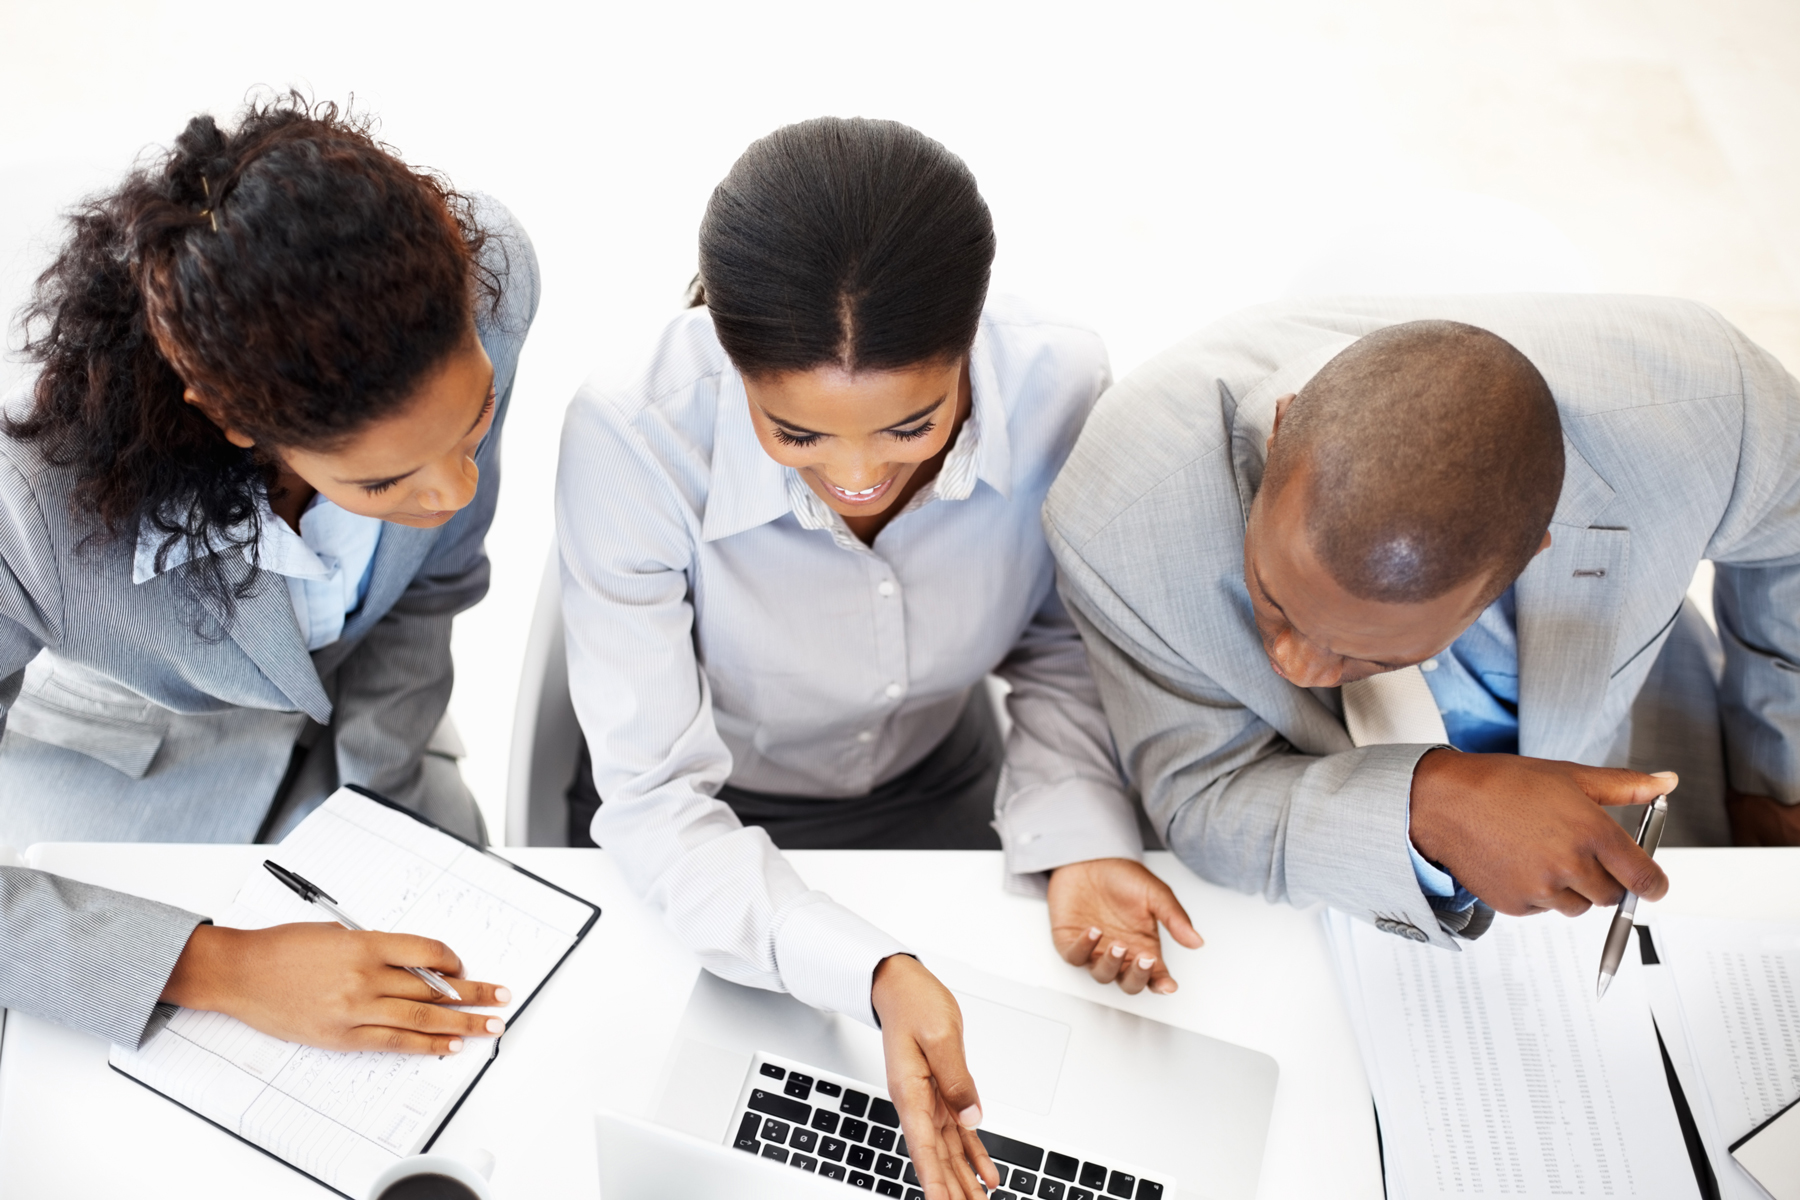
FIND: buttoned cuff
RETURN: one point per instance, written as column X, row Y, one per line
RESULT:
column 1046, row 826
column 827, row 956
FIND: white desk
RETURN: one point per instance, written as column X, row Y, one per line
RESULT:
column 71, row 1128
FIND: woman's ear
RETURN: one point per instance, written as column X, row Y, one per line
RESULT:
column 242, row 441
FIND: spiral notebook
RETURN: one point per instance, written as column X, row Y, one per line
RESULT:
column 344, row 1117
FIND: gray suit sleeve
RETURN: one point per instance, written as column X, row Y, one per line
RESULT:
column 30, row 587
column 1756, row 550
column 392, row 690
column 84, row 956
column 1230, row 796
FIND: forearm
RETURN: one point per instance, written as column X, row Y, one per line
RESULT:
column 86, row 957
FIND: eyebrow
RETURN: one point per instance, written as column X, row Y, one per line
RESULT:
column 1261, row 587
column 481, row 413
column 921, row 414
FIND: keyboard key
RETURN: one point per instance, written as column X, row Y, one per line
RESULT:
column 799, row 1086
column 862, row 1156
column 833, row 1149
column 914, row 1194
column 1025, row 1181
column 1148, row 1190
column 853, row 1130
column 887, row 1187
column 859, row 1180
column 753, row 1146
column 1050, row 1189
column 780, row 1106
column 825, row 1122
column 803, row 1162
column 1076, row 1193
column 1093, row 1175
column 1022, row 1154
column 748, row 1128
column 828, row 1088
column 854, row 1103
column 881, row 1139
column 1062, row 1166
column 803, row 1139
column 773, row 1071
column 1001, row 1194
column 776, row 1153
column 775, row 1131
column 888, row 1165
column 831, row 1170
column 911, row 1176
column 1121, row 1184
column 883, row 1112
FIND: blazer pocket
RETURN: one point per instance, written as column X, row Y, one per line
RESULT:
column 100, row 719
column 1655, row 640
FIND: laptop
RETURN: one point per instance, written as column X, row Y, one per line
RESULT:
column 764, row 1096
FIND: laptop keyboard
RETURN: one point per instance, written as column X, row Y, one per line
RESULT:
column 846, row 1130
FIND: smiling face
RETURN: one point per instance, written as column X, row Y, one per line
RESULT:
column 1316, row 633
column 415, row 467
column 860, row 440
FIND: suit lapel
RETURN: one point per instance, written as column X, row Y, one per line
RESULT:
column 398, row 556
column 264, row 628
column 1570, row 602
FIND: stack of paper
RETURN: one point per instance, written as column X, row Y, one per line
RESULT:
column 1727, row 998
column 1495, row 1072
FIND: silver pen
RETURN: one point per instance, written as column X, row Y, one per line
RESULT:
column 312, row 893
column 1649, row 835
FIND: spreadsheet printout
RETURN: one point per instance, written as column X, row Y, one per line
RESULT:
column 344, row 1117
column 1497, row 1073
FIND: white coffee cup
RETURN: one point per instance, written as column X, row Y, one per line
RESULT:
column 471, row 1173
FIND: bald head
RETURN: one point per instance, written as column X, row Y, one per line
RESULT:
column 1431, row 453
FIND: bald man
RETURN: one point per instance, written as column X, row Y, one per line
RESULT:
column 1501, row 498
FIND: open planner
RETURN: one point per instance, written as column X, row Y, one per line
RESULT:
column 344, row 1117
column 1495, row 1072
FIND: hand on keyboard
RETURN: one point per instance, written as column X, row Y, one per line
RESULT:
column 1104, row 915
column 922, row 1040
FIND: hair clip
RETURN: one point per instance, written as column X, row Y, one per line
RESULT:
column 208, row 212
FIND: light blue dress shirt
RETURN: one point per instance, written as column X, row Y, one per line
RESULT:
column 1476, row 685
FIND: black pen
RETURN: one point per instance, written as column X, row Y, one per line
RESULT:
column 312, row 893
column 1649, row 835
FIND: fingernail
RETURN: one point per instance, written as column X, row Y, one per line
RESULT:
column 456, row 1045
column 1118, row 951
column 1146, row 962
column 496, row 1025
column 1167, row 988
column 503, row 995
column 1094, row 933
column 1662, row 775
column 970, row 1117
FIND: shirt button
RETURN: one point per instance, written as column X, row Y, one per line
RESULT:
column 894, row 690
column 886, row 587
column 865, row 737
column 1429, row 664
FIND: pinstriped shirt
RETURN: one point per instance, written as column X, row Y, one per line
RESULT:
column 724, row 624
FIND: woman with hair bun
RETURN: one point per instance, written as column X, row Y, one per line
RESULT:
column 241, row 500
column 793, row 552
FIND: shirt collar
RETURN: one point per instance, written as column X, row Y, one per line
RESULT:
column 749, row 488
column 279, row 548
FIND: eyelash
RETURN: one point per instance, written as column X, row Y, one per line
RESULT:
column 375, row 489
column 905, row 435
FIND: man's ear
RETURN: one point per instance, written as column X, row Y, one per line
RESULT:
column 242, row 441
column 1281, row 407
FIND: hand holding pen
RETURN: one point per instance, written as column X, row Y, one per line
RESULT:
column 1619, row 935
column 321, row 984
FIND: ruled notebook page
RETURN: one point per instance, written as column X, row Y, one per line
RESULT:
column 339, row 1117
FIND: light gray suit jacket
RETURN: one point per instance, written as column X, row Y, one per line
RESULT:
column 132, row 726
column 1682, row 441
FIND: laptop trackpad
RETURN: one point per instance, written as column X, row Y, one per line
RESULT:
column 1015, row 1056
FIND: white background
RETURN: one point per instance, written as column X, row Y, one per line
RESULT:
column 1150, row 166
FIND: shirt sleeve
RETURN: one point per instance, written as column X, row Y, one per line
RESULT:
column 1061, row 799
column 626, row 539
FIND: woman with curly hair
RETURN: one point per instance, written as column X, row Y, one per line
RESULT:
column 241, row 499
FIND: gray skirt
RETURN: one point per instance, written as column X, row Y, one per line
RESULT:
column 945, row 802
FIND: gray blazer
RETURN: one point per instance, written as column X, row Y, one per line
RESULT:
column 119, row 722
column 1682, row 442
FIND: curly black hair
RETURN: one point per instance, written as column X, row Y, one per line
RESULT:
column 291, row 271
